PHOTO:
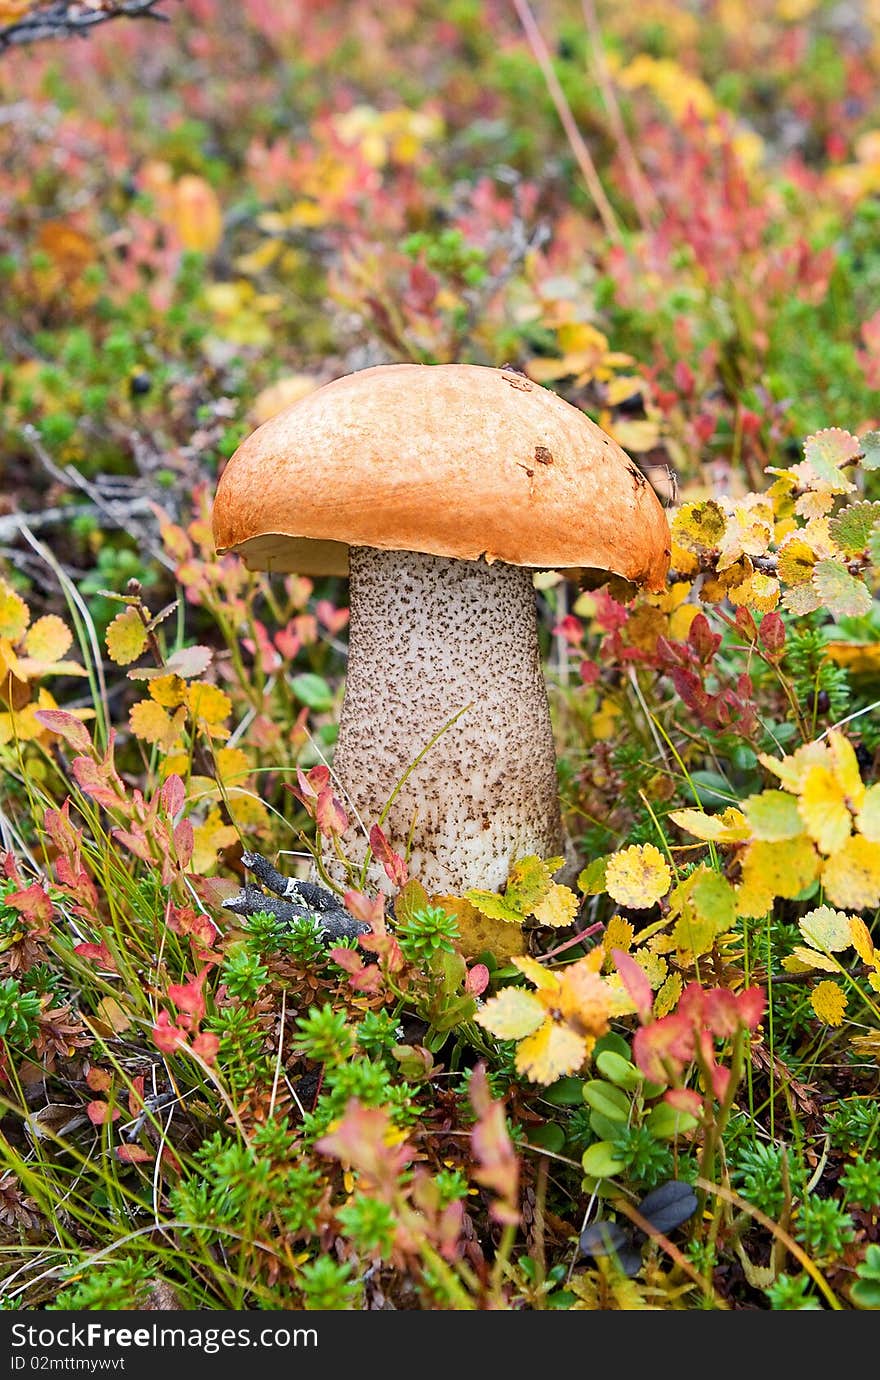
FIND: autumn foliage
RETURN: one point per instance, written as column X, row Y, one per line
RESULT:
column 647, row 1080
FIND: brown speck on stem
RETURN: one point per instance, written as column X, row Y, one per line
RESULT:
column 543, row 455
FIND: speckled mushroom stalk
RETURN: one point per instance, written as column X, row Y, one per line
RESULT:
column 429, row 636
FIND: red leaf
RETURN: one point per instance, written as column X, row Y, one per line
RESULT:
column 370, row 909
column 173, row 795
column 746, row 623
column 65, row 837
column 78, row 884
column 188, row 996
column 67, row 726
column 477, row 979
column 751, row 1005
column 334, row 619
column 99, row 953
column 184, row 842
column 393, row 863
column 136, row 1095
column 720, row 1012
column 684, row 1100
column 99, row 1080
column 493, row 1149
column 99, row 780
column 669, row 1040
column 636, row 983
column 570, row 628
column 167, row 1037
column 330, row 816
column 347, row 959
column 99, row 1112
column 133, row 1154
column 701, row 637
column 34, row 905
column 772, row 633
column 206, row 1046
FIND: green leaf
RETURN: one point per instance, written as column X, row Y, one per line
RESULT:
column 852, row 526
column 665, row 1122
column 565, row 1092
column 603, row 1127
column 489, row 903
column 600, row 1161
column 550, row 1136
column 591, row 880
column 841, row 594
column 618, row 1070
column 313, row 691
column 773, row 816
column 713, row 900
column 870, row 444
column 529, row 881
column 827, row 450
column 605, row 1098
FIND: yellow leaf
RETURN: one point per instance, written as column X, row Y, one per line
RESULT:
column 667, row 998
column 759, row 592
column 796, row 562
column 113, row 1017
column 232, row 763
column 558, row 908
column 208, row 839
column 618, row 934
column 700, row 526
column 803, row 960
column 149, row 721
column 126, row 637
column 580, row 335
column 636, row 436
column 14, row 613
column 553, row 1051
column 801, row 600
column 846, row 768
column 198, row 218
column 208, row 703
column 851, row 877
column 637, row 876
column 169, row 691
column 680, row 621
column 823, row 809
column 784, row 868
column 826, row 929
column 862, row 658
column 602, row 722
column 512, row 1014
column 248, row 811
column 48, row 639
column 653, row 965
column 862, row 941
column 731, row 826
column 283, row 393
column 829, row 1003
column 693, row 934
column 478, row 933
column 791, row 770
column 536, row 972
column 623, row 387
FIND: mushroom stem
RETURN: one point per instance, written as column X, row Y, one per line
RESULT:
column 430, row 637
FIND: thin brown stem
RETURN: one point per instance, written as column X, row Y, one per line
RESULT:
column 579, row 148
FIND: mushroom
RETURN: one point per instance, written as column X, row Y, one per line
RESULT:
column 439, row 489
